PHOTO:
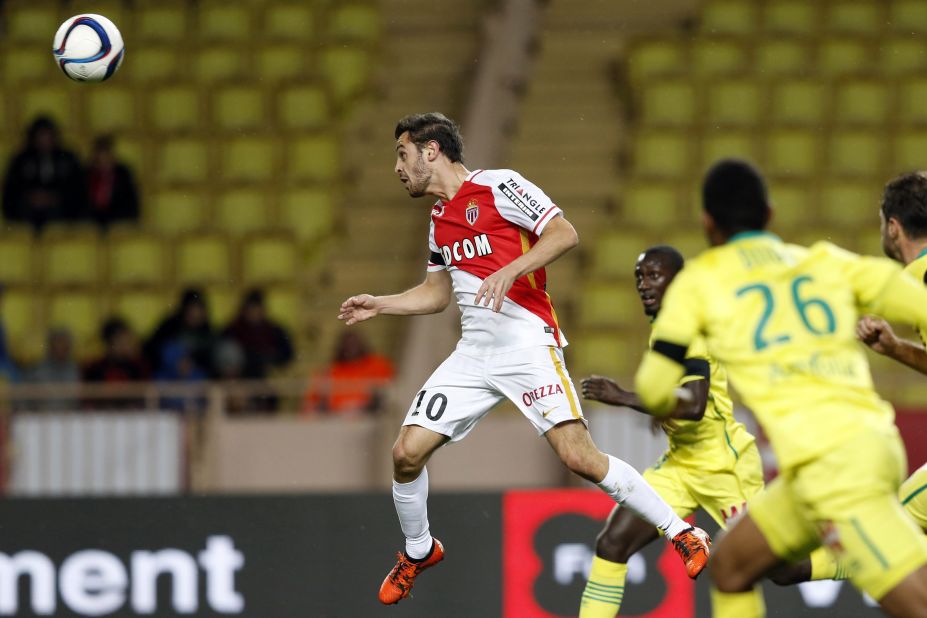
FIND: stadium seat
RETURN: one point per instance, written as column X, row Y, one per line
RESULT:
column 136, row 259
column 792, row 153
column 718, row 57
column 110, row 109
column 35, row 22
column 717, row 145
column 142, row 309
column 284, row 306
column 308, row 213
column 270, row 259
column 176, row 211
column 650, row 204
column 907, row 16
column 862, row 102
column 303, row 107
column 912, row 93
column 57, row 101
column 239, row 108
column 312, row 158
column 688, row 242
column 71, row 257
column 794, row 204
column 160, row 22
column 28, row 64
column 23, row 318
column 345, row 70
column 17, row 257
column 728, row 17
column 283, row 62
column 662, row 154
column 910, row 152
column 903, row 56
column 357, row 23
column 154, row 64
column 668, row 104
column 132, row 151
column 844, row 56
column 248, row 159
column 790, row 17
column 183, row 160
column 656, row 58
column 224, row 21
column 609, row 304
column 851, row 205
column 775, row 58
column 857, row 18
column 857, row 153
column 175, row 108
column 82, row 314
column 243, row 211
column 202, row 259
column 292, row 21
column 117, row 11
column 798, row 102
column 605, row 353
column 218, row 63
column 734, row 103
column 615, row 253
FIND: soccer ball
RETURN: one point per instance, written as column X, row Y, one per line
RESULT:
column 88, row 48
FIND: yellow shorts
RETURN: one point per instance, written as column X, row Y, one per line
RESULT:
column 848, row 500
column 722, row 494
column 913, row 496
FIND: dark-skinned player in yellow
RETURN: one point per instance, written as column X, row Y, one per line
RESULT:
column 782, row 320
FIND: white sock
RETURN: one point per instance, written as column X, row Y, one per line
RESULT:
column 411, row 501
column 628, row 488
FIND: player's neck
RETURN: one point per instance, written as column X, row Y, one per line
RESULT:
column 912, row 250
column 446, row 181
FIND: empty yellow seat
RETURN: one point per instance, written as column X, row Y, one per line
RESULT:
column 23, row 317
column 132, row 151
column 271, row 259
column 792, row 17
column 34, row 22
column 242, row 211
column 688, row 242
column 28, row 64
column 910, row 152
column 290, row 21
column 284, row 306
column 609, row 304
column 17, row 257
column 183, row 160
column 282, row 62
column 718, row 145
column 137, row 259
column 794, row 205
column 907, row 16
column 903, row 56
column 308, row 213
column 216, row 63
column 656, row 58
column 911, row 98
column 844, row 57
column 783, row 58
column 224, row 21
column 792, row 153
column 615, row 253
column 859, row 18
column 142, row 309
column 238, row 108
column 154, row 64
column 852, row 205
column 668, row 104
column 857, row 153
column 176, row 211
column 248, row 159
column 355, row 22
column 729, row 17
column 72, row 260
column 303, row 107
column 718, row 57
column 736, row 102
column 650, row 204
column 161, row 21
column 862, row 102
column 605, row 353
column 661, row 154
column 110, row 109
column 57, row 101
column 798, row 102
column 79, row 312
column 223, row 302
column 175, row 108
column 203, row 259
column 313, row 158
column 345, row 70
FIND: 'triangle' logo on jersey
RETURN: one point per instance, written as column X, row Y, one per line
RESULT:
column 472, row 212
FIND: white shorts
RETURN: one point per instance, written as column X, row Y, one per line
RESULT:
column 465, row 387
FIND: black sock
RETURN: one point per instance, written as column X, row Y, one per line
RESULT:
column 425, row 557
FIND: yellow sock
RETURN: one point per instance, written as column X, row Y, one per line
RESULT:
column 604, row 590
column 825, row 566
column 738, row 604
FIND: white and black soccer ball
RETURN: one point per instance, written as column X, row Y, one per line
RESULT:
column 88, row 48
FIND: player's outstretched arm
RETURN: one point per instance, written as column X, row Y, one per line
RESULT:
column 433, row 295
column 690, row 404
column 878, row 335
column 558, row 237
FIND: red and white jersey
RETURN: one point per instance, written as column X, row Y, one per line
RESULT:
column 495, row 217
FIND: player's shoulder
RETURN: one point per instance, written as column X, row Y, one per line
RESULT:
column 492, row 178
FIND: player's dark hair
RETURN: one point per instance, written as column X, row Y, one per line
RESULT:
column 734, row 194
column 433, row 126
column 905, row 200
column 669, row 255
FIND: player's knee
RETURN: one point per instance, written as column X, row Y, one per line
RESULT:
column 578, row 463
column 406, row 462
column 726, row 574
column 612, row 547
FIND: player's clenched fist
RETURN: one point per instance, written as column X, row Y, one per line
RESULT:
column 876, row 333
column 358, row 308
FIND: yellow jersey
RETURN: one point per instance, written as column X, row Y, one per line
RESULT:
column 781, row 319
column 918, row 270
column 716, row 441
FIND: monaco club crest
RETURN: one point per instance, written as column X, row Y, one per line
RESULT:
column 472, row 212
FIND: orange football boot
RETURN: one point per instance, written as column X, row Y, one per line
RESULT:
column 398, row 584
column 694, row 546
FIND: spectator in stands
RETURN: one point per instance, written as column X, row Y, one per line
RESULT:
column 121, row 362
column 229, row 362
column 189, row 324
column 58, row 367
column 353, row 382
column 265, row 343
column 112, row 195
column 177, row 365
column 44, row 182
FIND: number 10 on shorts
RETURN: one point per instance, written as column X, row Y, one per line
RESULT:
column 435, row 408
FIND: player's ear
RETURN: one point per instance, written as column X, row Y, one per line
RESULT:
column 893, row 228
column 431, row 151
column 770, row 214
